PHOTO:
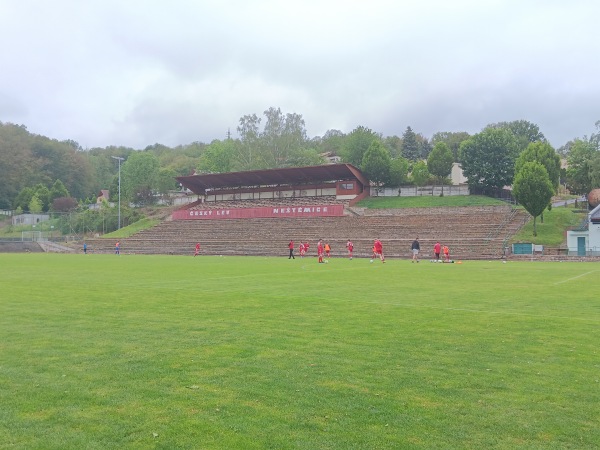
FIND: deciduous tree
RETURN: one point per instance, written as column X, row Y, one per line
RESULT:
column 331, row 142
column 165, row 182
column 57, row 190
column 23, row 198
column 17, row 170
column 452, row 140
column 488, row 159
column 594, row 171
column 305, row 157
column 533, row 189
column 524, row 132
column 439, row 162
column 64, row 204
column 398, row 171
column 247, row 155
column 356, row 145
column 543, row 153
column 138, row 176
column 578, row 170
column 420, row 174
column 218, row 157
column 376, row 163
column 35, row 205
column 394, row 145
column 43, row 195
column 281, row 135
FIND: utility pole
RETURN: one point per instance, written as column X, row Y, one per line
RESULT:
column 118, row 158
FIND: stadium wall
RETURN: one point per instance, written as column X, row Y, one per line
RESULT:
column 416, row 191
column 252, row 213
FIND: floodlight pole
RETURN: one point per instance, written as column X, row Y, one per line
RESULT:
column 118, row 158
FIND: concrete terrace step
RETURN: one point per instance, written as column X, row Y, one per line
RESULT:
column 471, row 233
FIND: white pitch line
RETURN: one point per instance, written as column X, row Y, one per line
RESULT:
column 574, row 278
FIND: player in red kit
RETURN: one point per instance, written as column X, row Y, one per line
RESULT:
column 350, row 247
column 436, row 251
column 320, row 250
column 302, row 249
column 197, row 252
column 378, row 249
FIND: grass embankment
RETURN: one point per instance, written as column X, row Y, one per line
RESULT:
column 17, row 231
column 100, row 351
column 428, row 201
column 552, row 232
column 130, row 230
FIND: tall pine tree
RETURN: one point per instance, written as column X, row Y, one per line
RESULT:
column 410, row 146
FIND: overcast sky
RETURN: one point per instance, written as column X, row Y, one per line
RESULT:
column 135, row 73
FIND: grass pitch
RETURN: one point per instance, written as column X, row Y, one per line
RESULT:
column 100, row 351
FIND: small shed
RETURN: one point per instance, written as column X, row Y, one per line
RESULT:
column 29, row 219
column 585, row 240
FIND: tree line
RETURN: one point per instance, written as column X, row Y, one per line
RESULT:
column 32, row 165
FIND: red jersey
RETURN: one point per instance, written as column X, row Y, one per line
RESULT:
column 291, row 245
column 377, row 246
column 437, row 247
column 350, row 246
column 320, row 248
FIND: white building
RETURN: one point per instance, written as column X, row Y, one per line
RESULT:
column 29, row 219
column 457, row 175
column 585, row 241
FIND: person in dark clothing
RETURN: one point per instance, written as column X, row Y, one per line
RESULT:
column 415, row 247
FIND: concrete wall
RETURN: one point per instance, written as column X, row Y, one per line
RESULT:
column 29, row 219
column 456, row 175
column 416, row 191
column 20, row 247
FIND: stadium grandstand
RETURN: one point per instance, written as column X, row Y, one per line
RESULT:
column 343, row 181
column 259, row 212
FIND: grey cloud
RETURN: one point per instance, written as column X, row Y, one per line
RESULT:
column 137, row 73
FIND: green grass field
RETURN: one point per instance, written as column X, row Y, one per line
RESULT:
column 428, row 201
column 101, row 351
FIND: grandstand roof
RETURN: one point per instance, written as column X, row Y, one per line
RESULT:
column 199, row 184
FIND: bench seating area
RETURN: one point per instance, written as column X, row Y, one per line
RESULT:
column 268, row 202
column 469, row 232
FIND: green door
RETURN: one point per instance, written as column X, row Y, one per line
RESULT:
column 581, row 246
